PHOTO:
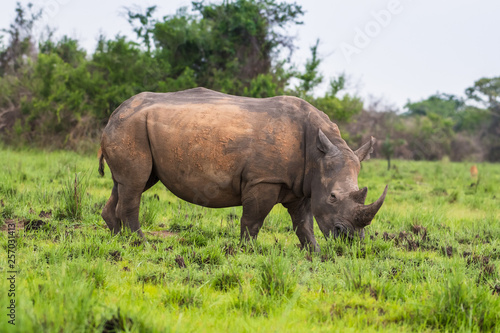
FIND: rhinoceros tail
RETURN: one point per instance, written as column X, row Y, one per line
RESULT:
column 100, row 155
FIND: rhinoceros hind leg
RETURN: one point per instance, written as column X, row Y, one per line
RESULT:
column 109, row 211
column 257, row 203
column 303, row 223
column 127, row 209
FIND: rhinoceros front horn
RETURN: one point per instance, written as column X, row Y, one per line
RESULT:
column 365, row 214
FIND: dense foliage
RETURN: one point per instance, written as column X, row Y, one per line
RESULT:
column 56, row 94
column 430, row 260
column 460, row 128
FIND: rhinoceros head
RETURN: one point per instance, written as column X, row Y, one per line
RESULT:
column 336, row 201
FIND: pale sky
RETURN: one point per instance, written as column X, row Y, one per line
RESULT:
column 391, row 49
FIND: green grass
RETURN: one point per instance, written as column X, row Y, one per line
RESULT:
column 430, row 260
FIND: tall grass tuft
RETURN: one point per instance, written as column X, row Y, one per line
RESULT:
column 276, row 278
column 72, row 200
column 182, row 297
column 225, row 281
column 117, row 323
column 150, row 210
column 457, row 305
column 6, row 211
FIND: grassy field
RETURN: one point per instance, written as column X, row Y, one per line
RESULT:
column 430, row 261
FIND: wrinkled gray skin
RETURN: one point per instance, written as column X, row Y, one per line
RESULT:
column 218, row 150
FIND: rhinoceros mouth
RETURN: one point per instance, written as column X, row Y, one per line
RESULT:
column 336, row 228
column 341, row 231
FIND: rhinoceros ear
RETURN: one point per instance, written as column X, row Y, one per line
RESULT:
column 365, row 150
column 325, row 145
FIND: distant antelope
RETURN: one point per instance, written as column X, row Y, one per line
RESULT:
column 473, row 171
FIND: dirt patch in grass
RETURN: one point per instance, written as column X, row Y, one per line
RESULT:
column 416, row 239
column 325, row 258
column 229, row 250
column 448, row 251
column 180, row 262
column 487, row 272
column 476, row 259
column 117, row 323
column 28, row 224
column 115, row 255
column 23, row 224
column 487, row 269
column 394, row 272
column 162, row 233
column 137, row 243
column 405, row 240
column 18, row 224
column 45, row 214
column 388, row 237
column 153, row 278
column 420, row 231
column 34, row 225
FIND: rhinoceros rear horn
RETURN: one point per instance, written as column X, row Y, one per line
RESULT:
column 366, row 213
column 359, row 196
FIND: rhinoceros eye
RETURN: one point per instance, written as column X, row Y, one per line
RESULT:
column 332, row 196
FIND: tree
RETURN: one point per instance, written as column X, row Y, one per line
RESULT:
column 337, row 108
column 445, row 105
column 66, row 48
column 57, row 94
column 464, row 117
column 144, row 30
column 21, row 42
column 486, row 91
column 311, row 78
column 229, row 47
column 388, row 147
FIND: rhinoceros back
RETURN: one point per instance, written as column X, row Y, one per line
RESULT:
column 207, row 147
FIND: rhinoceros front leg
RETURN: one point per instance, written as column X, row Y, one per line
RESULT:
column 303, row 222
column 257, row 203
